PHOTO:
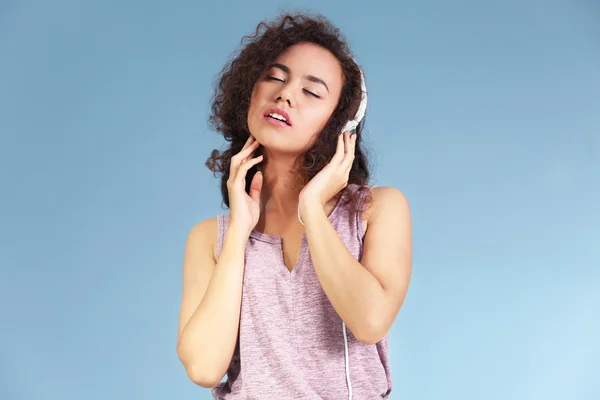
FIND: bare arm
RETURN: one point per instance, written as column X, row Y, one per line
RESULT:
column 210, row 305
column 212, row 291
column 366, row 295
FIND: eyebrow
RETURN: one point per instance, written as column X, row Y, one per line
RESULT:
column 311, row 78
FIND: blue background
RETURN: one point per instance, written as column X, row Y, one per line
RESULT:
column 485, row 114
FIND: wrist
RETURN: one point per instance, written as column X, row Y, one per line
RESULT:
column 237, row 236
column 309, row 200
column 309, row 208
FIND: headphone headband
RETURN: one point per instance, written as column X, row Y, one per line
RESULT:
column 353, row 123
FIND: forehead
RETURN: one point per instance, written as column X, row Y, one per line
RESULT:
column 311, row 59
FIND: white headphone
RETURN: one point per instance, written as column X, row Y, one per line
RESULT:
column 353, row 123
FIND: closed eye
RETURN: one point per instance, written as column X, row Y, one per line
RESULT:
column 273, row 78
column 312, row 94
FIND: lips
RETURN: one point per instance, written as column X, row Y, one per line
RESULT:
column 276, row 113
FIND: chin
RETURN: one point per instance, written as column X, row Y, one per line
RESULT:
column 276, row 143
column 278, row 140
column 265, row 133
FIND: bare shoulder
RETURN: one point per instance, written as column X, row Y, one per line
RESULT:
column 205, row 235
column 388, row 202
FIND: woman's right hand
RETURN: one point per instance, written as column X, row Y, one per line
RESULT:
column 244, row 208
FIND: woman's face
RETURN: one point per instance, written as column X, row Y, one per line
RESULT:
column 294, row 99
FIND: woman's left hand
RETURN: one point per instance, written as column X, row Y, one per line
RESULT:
column 333, row 177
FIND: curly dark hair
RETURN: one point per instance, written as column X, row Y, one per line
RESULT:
column 231, row 99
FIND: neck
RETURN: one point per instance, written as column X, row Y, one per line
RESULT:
column 280, row 190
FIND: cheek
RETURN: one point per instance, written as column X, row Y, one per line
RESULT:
column 319, row 118
column 252, row 100
column 252, row 109
column 255, row 100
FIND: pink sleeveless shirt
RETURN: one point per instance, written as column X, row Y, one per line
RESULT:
column 292, row 343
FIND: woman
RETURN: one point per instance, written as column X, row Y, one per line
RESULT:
column 292, row 293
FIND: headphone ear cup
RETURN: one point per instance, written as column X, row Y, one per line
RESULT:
column 350, row 125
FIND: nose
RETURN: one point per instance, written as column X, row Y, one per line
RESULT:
column 285, row 95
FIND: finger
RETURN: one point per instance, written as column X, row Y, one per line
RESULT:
column 339, row 151
column 256, row 186
column 250, row 140
column 253, row 147
column 243, row 169
column 241, row 157
column 247, row 150
column 347, row 143
column 349, row 148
